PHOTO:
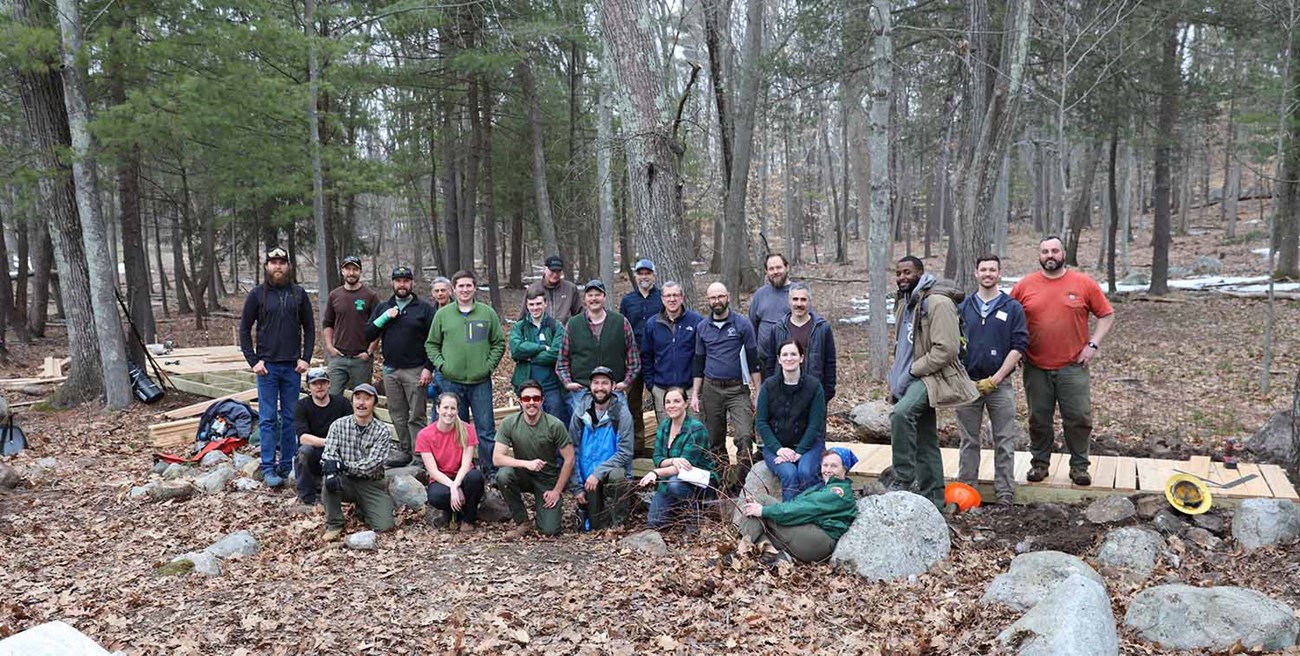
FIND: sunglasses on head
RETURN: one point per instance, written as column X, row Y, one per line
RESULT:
column 531, row 398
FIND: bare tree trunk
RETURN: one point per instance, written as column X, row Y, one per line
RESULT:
column 1166, row 118
column 38, row 306
column 451, row 211
column 878, row 235
column 828, row 166
column 654, row 150
column 1126, row 208
column 1112, row 196
column 1001, row 207
column 793, row 233
column 469, row 204
column 517, row 250
column 18, row 319
column 1082, row 209
column 489, row 206
column 323, row 264
column 542, row 198
column 605, row 184
column 1286, row 229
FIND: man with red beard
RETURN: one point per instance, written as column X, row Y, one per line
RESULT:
column 286, row 337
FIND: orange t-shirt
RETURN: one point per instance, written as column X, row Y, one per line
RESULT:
column 1057, row 310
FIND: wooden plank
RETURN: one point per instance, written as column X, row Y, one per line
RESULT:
column 950, row 458
column 1148, row 476
column 1023, row 460
column 1103, row 472
column 1198, row 466
column 1278, row 482
column 189, row 386
column 877, row 458
column 196, row 409
column 986, row 470
column 1126, row 473
column 1059, row 474
column 1255, row 487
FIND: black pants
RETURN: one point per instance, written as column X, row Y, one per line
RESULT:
column 308, row 473
column 472, row 486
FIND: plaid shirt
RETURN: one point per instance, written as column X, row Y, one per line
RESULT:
column 362, row 451
column 631, row 358
column 692, row 443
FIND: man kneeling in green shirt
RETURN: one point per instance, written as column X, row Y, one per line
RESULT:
column 807, row 526
column 538, row 440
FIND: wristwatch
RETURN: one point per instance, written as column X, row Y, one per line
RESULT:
column 1094, row 346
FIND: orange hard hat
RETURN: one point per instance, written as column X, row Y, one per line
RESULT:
column 964, row 496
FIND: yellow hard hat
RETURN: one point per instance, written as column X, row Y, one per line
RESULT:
column 1188, row 494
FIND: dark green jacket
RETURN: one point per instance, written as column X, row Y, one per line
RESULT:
column 535, row 356
column 692, row 443
column 830, row 506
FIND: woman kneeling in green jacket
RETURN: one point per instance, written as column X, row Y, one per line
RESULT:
column 807, row 526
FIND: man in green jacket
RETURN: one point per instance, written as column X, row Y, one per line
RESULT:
column 465, row 345
column 535, row 343
column 808, row 526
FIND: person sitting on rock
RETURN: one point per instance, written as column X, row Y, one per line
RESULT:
column 808, row 526
column 356, row 449
column 312, row 418
column 540, row 464
column 446, row 447
column 602, row 436
column 681, row 445
column 791, row 421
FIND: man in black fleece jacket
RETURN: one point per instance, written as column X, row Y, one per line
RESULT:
column 403, row 322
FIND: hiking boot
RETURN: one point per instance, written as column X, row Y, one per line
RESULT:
column 1005, row 501
column 332, row 535
column 1037, row 472
column 520, row 531
column 466, row 527
column 1080, row 476
column 272, row 479
column 773, row 560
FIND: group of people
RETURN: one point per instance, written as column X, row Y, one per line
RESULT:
column 583, row 373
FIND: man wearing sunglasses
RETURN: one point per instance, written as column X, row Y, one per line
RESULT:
column 534, row 456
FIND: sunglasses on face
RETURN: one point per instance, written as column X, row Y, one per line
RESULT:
column 531, row 398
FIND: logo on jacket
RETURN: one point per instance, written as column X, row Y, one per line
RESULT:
column 731, row 332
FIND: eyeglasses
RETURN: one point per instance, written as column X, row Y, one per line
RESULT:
column 531, row 398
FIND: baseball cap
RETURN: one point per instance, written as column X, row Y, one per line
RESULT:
column 353, row 260
column 402, row 272
column 595, row 283
column 367, row 388
column 644, row 263
column 555, row 263
column 277, row 253
column 317, row 373
column 602, row 371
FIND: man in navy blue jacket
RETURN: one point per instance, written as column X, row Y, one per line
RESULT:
column 668, row 346
column 286, row 337
column 640, row 306
column 996, row 339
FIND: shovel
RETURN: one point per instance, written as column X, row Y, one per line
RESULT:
column 12, row 439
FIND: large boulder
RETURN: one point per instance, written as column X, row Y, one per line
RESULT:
column 1207, row 266
column 213, row 458
column 895, row 535
column 239, row 543
column 201, row 562
column 648, row 541
column 407, row 492
column 362, row 541
column 1148, row 505
column 1133, row 549
column 1275, row 441
column 1211, row 619
column 871, row 421
column 761, row 485
column 215, row 480
column 1263, row 522
column 1033, row 576
column 1073, row 619
column 170, row 490
column 493, row 508
column 1110, row 510
column 50, row 639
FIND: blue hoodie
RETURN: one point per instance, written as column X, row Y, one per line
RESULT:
column 990, row 338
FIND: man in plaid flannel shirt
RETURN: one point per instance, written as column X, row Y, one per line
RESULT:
column 356, row 449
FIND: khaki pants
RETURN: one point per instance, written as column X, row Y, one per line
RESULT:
column 607, row 505
column 1001, row 405
column 406, row 406
column 806, row 543
column 636, row 405
column 722, row 406
column 346, row 373
column 370, row 497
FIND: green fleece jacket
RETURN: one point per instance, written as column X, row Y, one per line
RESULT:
column 830, row 506
column 466, row 348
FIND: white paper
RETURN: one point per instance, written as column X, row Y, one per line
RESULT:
column 695, row 476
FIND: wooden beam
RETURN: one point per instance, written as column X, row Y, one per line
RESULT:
column 196, row 409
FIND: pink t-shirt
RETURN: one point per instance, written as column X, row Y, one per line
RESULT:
column 443, row 447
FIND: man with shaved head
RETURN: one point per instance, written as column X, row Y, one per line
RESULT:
column 727, row 378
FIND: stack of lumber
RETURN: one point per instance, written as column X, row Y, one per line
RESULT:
column 184, row 422
column 202, row 360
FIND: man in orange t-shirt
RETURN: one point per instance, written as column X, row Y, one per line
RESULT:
column 1057, row 305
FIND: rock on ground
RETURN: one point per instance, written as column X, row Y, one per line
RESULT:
column 203, row 562
column 1033, row 576
column 493, row 507
column 176, row 470
column 1147, row 505
column 414, row 471
column 240, row 543
column 141, row 492
column 1274, row 440
column 1073, row 619
column 160, row 467
column 247, row 484
column 242, row 459
column 1207, row 266
column 50, row 639
column 9, row 478
column 215, row 480
column 407, row 492
column 1263, row 522
column 363, row 540
column 648, row 541
column 1133, row 549
column 761, row 485
column 1110, row 510
column 895, row 535
column 871, row 420
column 252, row 469
column 1210, row 521
column 170, row 490
column 1203, row 538
column 1170, row 522
column 1199, row 619
column 213, row 458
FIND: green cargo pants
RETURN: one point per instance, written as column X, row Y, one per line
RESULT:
column 514, row 482
column 371, row 498
column 806, row 543
column 914, row 437
column 1070, row 389
column 607, row 506
column 347, row 372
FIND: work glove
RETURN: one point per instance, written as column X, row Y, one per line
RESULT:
column 333, row 475
column 986, row 386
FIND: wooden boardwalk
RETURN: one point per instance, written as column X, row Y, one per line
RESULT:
column 1110, row 475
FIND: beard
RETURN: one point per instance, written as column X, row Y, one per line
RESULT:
column 778, row 280
column 401, row 292
column 277, row 277
column 720, row 311
column 1049, row 264
column 645, row 285
column 351, row 280
column 601, row 397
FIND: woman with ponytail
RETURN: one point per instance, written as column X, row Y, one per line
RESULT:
column 446, row 447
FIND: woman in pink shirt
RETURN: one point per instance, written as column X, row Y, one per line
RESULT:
column 446, row 447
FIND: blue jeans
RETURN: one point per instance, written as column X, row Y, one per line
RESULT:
column 277, row 393
column 796, row 476
column 674, row 494
column 556, row 403
column 477, row 398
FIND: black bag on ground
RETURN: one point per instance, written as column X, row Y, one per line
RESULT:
column 141, row 385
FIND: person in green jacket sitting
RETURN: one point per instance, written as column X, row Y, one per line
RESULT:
column 535, row 342
column 808, row 526
column 681, row 444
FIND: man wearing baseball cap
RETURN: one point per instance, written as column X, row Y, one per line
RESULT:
column 639, row 306
column 400, row 324
column 347, row 311
column 563, row 299
column 597, row 338
column 285, row 339
column 356, row 449
column 601, row 432
column 312, row 417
